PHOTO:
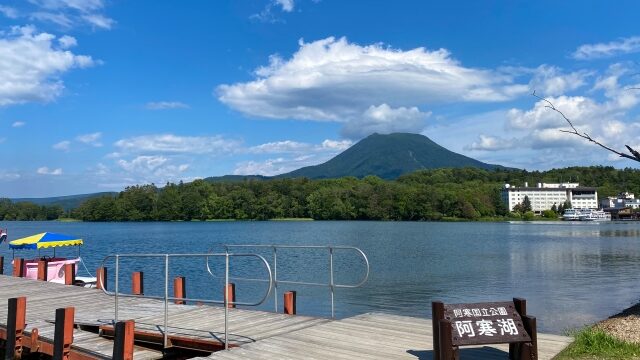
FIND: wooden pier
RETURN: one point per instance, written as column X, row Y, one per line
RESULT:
column 253, row 334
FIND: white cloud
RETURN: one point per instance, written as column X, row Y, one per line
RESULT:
column 275, row 166
column 62, row 145
column 31, row 65
column 600, row 50
column 9, row 12
column 164, row 105
column 98, row 20
column 92, row 139
column 9, row 176
column 57, row 18
column 550, row 80
column 143, row 163
column 17, row 124
column 67, row 41
column 384, row 119
column 492, row 143
column 287, row 5
column 294, row 147
column 334, row 80
column 169, row 143
column 69, row 13
column 150, row 169
column 46, row 171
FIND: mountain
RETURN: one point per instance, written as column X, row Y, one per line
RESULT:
column 66, row 202
column 388, row 156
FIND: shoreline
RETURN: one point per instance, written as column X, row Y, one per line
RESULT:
column 624, row 325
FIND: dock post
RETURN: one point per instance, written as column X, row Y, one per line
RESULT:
column 69, row 274
column 43, row 270
column 101, row 278
column 179, row 289
column 437, row 314
column 16, row 318
column 35, row 341
column 63, row 335
column 18, row 267
column 137, row 283
column 289, row 302
column 1, row 265
column 530, row 350
column 123, row 340
column 230, row 295
column 521, row 307
column 447, row 350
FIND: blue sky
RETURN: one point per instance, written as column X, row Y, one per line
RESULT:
column 96, row 95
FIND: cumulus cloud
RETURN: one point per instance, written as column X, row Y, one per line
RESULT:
column 551, row 81
column 335, row 80
column 9, row 176
column 46, row 171
column 62, row 145
column 67, row 41
column 169, row 143
column 17, row 124
column 613, row 48
column 384, row 119
column 152, row 168
column 31, row 64
column 287, row 5
column 92, row 139
column 164, row 105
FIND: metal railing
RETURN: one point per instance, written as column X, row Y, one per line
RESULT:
column 331, row 284
column 116, row 293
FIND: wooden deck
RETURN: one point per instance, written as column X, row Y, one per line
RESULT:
column 257, row 334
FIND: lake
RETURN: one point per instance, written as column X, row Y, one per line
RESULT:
column 571, row 273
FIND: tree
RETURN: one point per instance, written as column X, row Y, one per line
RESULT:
column 567, row 204
column 554, row 208
column 526, row 204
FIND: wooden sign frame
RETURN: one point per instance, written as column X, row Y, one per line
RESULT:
column 456, row 325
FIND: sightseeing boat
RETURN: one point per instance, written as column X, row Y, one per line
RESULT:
column 595, row 215
column 55, row 264
column 3, row 235
column 572, row 214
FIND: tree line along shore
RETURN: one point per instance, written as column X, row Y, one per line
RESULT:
column 439, row 194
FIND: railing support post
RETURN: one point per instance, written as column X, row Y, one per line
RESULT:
column 123, row 340
column 290, row 302
column 447, row 350
column 437, row 314
column 63, row 335
column 230, row 295
column 1, row 265
column 43, row 270
column 179, row 289
column 16, row 318
column 69, row 274
column 18, row 267
column 521, row 307
column 137, row 283
column 101, row 278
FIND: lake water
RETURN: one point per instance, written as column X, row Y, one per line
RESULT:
column 570, row 273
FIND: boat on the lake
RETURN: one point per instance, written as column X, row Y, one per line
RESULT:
column 55, row 264
column 3, row 235
column 572, row 214
column 595, row 215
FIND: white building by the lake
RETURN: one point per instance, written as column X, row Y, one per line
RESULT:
column 623, row 200
column 544, row 196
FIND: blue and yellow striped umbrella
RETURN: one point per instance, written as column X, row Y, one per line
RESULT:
column 44, row 240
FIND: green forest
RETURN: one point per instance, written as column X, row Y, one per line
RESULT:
column 440, row 194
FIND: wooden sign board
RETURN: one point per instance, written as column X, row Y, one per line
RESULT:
column 485, row 323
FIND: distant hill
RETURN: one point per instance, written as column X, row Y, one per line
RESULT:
column 66, row 202
column 389, row 156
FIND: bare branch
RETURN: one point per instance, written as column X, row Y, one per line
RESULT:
column 574, row 131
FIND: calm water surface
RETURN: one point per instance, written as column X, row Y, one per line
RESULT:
column 571, row 273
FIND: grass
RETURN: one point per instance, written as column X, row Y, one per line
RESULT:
column 68, row 220
column 594, row 344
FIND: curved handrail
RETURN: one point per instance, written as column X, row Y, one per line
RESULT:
column 348, row 286
column 331, row 285
column 205, row 301
column 166, row 296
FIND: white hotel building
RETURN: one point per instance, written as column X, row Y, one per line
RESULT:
column 544, row 196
